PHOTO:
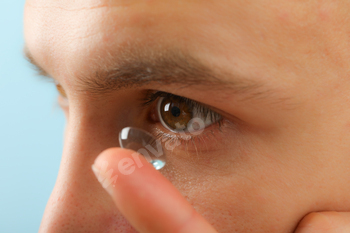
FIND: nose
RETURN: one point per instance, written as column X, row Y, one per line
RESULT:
column 78, row 203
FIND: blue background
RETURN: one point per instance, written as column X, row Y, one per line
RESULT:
column 31, row 130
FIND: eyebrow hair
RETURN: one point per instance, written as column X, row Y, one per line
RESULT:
column 135, row 68
column 29, row 57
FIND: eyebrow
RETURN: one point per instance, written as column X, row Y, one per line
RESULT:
column 133, row 69
column 29, row 57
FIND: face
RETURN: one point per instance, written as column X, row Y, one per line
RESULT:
column 274, row 74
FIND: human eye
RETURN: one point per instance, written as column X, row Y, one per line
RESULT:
column 62, row 96
column 189, row 124
column 60, row 90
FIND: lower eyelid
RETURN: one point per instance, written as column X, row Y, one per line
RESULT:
column 208, row 140
column 63, row 102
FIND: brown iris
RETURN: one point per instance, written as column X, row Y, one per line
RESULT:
column 175, row 112
column 61, row 90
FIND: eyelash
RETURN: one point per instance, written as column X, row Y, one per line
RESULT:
column 198, row 141
column 152, row 97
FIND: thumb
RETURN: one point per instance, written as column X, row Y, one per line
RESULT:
column 325, row 222
column 144, row 196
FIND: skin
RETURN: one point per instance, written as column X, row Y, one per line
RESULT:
column 280, row 157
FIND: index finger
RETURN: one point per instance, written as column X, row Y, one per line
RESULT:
column 144, row 196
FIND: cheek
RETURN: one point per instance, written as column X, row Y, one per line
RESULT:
column 257, row 194
column 237, row 203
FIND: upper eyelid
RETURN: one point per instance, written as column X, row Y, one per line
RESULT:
column 152, row 96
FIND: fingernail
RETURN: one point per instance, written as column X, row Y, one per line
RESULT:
column 104, row 176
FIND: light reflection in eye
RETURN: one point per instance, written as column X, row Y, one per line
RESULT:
column 166, row 108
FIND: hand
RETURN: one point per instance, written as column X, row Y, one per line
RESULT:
column 144, row 196
column 153, row 205
column 325, row 222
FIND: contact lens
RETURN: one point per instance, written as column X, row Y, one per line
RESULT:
column 144, row 143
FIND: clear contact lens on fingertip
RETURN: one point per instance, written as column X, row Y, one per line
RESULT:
column 144, row 143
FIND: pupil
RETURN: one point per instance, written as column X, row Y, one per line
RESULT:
column 175, row 111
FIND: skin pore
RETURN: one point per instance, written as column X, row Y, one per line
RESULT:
column 276, row 71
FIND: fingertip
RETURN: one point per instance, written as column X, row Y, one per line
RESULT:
column 312, row 222
column 329, row 221
column 112, row 154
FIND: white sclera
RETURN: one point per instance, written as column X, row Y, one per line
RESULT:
column 145, row 144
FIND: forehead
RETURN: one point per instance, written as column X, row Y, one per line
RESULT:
column 98, row 26
column 66, row 37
